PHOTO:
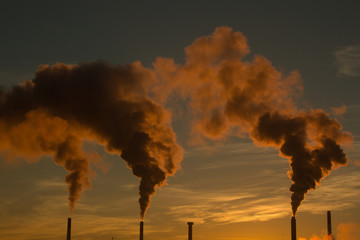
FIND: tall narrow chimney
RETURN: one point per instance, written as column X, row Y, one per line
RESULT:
column 141, row 230
column 329, row 223
column 293, row 228
column 68, row 229
column 190, row 230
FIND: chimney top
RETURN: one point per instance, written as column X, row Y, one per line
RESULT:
column 190, row 223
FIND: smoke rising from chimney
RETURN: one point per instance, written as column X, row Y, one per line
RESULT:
column 64, row 105
column 229, row 95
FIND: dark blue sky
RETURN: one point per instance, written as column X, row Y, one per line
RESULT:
column 301, row 35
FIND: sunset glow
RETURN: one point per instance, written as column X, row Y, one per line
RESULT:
column 236, row 117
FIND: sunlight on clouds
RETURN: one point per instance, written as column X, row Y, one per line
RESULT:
column 235, row 155
column 337, row 192
column 243, row 147
column 41, row 213
column 225, row 206
column 266, row 197
column 42, row 222
column 51, row 183
column 49, row 222
column 245, row 195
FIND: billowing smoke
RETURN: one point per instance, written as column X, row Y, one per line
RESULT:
column 65, row 105
column 309, row 162
column 230, row 95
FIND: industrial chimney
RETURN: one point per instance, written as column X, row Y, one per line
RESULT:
column 329, row 223
column 141, row 230
column 68, row 229
column 190, row 230
column 293, row 228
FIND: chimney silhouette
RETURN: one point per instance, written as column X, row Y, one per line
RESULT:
column 190, row 230
column 293, row 228
column 141, row 230
column 68, row 229
column 329, row 223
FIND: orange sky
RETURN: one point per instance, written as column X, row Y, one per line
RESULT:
column 192, row 67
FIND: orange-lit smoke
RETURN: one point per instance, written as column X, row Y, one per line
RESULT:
column 64, row 105
column 229, row 95
column 345, row 231
column 348, row 231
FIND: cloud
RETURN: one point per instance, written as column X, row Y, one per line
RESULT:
column 336, row 193
column 50, row 184
column 226, row 207
column 348, row 60
column 259, row 200
column 46, row 214
column 339, row 111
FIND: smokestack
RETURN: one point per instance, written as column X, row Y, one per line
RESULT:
column 190, row 230
column 293, row 228
column 68, row 229
column 329, row 223
column 141, row 230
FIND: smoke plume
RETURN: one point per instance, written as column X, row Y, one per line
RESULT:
column 345, row 231
column 229, row 95
column 65, row 105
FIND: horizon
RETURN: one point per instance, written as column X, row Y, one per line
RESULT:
column 221, row 114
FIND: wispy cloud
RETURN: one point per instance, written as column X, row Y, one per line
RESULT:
column 233, row 155
column 337, row 192
column 260, row 201
column 348, row 60
column 56, row 183
column 226, row 206
column 48, row 221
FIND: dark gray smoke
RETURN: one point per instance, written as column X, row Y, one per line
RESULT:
column 229, row 95
column 309, row 163
column 64, row 105
column 110, row 104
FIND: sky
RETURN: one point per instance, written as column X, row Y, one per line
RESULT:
column 228, row 183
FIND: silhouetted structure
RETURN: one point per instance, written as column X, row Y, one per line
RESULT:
column 293, row 228
column 141, row 230
column 329, row 223
column 68, row 237
column 190, row 230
